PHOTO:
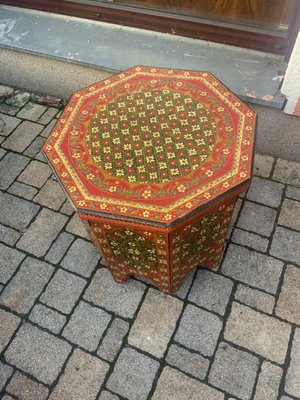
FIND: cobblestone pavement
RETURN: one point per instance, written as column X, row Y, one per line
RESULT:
column 69, row 332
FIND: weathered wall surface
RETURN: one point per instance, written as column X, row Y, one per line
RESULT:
column 291, row 84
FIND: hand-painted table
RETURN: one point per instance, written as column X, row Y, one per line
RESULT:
column 153, row 161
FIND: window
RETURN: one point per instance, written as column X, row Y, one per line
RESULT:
column 267, row 25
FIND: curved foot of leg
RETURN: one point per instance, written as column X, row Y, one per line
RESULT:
column 120, row 276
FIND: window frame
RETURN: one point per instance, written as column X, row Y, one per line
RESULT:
column 246, row 37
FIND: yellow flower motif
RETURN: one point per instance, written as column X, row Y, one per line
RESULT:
column 208, row 172
column 186, row 73
column 84, row 112
column 112, row 189
column 153, row 175
column 64, row 174
column 179, row 84
column 123, row 209
column 146, row 194
column 132, row 178
column 56, row 161
column 207, row 195
column 103, row 206
column 153, row 81
column 183, row 161
column 90, row 176
column 220, row 109
column 107, row 81
column 141, row 168
column 76, row 155
column 248, row 128
column 170, row 71
column 138, row 69
column 174, row 171
column 237, row 103
column 245, row 158
column 48, row 147
column 121, row 76
column 72, row 189
column 81, row 203
column 249, row 114
column 146, row 214
column 225, row 184
column 181, row 188
column 189, row 205
column 168, row 217
column 243, row 174
column 246, row 142
column 226, row 151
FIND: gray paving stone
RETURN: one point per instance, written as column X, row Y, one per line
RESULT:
column 234, row 371
column 268, row 382
column 292, row 382
column 113, row 339
column 76, row 226
column 185, row 287
column 285, row 245
column 155, row 323
column 86, row 326
column 35, row 146
column 265, row 192
column 5, row 373
column 7, row 397
column 9, row 261
column 133, row 375
column 22, row 136
column 192, row 363
column 42, row 232
column 38, row 353
column 51, row 195
column 207, row 326
column 59, row 247
column 35, row 174
column 47, row 116
column 106, row 395
column 9, row 235
column 26, row 285
column 173, row 384
column 285, row 398
column 68, row 209
column 263, row 165
column 63, row 291
column 31, row 111
column 293, row 193
column 252, row 268
column 26, row 389
column 82, row 378
column 122, row 299
column 8, row 323
column 288, row 305
column 250, row 239
column 257, row 218
column 10, row 167
column 211, row 291
column 9, row 109
column 19, row 99
column 46, row 132
column 262, row 334
column 22, row 190
column 2, row 151
column 82, row 258
column 47, row 318
column 287, row 172
column 8, row 124
column 255, row 299
column 290, row 214
column 2, row 138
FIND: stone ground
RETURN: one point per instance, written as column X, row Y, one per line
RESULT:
column 69, row 332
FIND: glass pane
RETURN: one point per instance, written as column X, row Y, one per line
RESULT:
column 266, row 14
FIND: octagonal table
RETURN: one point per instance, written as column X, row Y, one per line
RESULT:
column 153, row 161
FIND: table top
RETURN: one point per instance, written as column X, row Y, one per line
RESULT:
column 152, row 144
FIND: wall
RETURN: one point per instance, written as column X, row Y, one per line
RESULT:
column 291, row 84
